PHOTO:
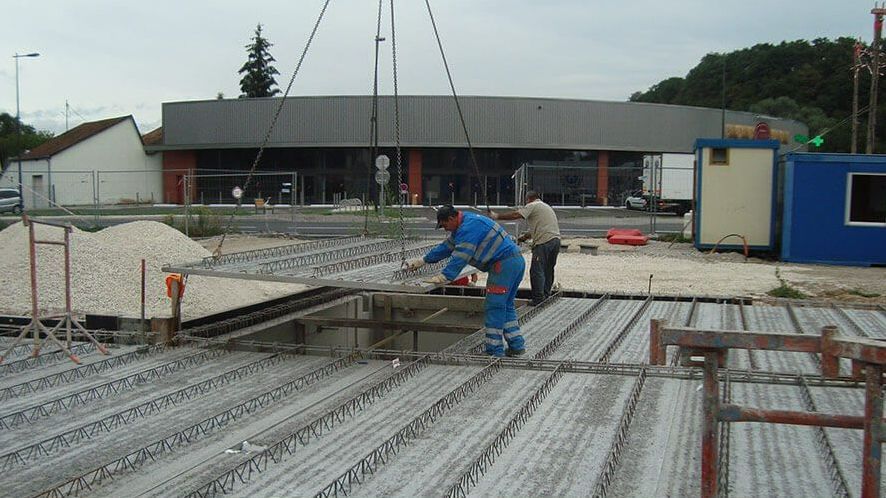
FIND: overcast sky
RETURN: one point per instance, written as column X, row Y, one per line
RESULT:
column 112, row 58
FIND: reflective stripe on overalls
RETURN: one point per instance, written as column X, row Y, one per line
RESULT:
column 501, row 315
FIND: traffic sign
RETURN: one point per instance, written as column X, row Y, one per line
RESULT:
column 382, row 162
column 237, row 192
column 404, row 189
column 382, row 177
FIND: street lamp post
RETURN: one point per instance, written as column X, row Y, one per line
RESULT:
column 18, row 122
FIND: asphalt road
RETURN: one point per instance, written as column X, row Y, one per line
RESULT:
column 570, row 225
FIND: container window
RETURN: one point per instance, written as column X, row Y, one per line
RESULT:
column 867, row 198
column 720, row 155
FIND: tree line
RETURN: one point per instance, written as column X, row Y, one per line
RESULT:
column 809, row 81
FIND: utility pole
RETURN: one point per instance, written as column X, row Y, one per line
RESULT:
column 856, row 65
column 723, row 101
column 878, row 11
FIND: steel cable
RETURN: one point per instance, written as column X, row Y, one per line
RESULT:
column 267, row 138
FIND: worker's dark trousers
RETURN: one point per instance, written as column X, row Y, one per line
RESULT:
column 541, row 272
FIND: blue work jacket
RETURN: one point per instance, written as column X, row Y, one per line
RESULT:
column 478, row 241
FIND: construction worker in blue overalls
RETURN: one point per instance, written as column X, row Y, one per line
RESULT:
column 481, row 242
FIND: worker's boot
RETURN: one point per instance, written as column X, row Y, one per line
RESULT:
column 515, row 352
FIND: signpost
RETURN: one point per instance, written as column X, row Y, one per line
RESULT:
column 237, row 193
column 382, row 177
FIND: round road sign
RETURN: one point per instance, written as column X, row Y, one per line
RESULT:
column 404, row 189
column 382, row 162
column 237, row 192
column 382, row 177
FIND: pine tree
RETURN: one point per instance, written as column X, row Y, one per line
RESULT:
column 258, row 80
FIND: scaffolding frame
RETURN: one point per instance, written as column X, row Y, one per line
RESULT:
column 67, row 321
column 868, row 357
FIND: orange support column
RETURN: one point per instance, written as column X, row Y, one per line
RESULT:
column 603, row 178
column 415, row 174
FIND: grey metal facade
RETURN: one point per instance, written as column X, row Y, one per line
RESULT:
column 432, row 121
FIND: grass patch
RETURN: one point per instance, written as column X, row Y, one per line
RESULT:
column 201, row 222
column 674, row 238
column 861, row 293
column 786, row 291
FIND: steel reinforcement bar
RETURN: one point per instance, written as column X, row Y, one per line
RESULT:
column 752, row 359
column 275, row 453
column 617, row 340
column 81, row 372
column 152, row 452
column 116, row 386
column 256, row 317
column 686, row 323
column 859, row 331
column 45, row 359
column 276, row 252
column 470, row 478
column 607, row 473
column 85, row 432
column 825, row 447
column 344, row 484
column 327, row 256
column 725, row 443
column 364, row 261
column 570, row 329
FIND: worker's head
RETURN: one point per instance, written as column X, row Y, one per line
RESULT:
column 532, row 195
column 447, row 217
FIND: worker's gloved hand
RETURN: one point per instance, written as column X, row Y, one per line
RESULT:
column 415, row 264
column 492, row 214
column 437, row 279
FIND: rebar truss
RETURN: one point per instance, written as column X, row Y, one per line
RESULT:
column 111, row 422
column 111, row 388
column 470, row 478
column 275, row 453
column 610, row 466
column 357, row 263
column 45, row 359
column 152, row 452
column 369, row 465
column 570, row 329
column 81, row 372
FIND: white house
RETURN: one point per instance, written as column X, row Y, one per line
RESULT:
column 96, row 163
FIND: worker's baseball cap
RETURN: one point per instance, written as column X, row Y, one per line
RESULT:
column 445, row 212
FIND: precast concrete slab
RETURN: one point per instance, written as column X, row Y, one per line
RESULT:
column 351, row 262
column 581, row 413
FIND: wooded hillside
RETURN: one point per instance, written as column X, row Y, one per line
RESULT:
column 807, row 81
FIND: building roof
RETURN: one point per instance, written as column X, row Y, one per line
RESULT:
column 72, row 137
column 433, row 121
column 153, row 137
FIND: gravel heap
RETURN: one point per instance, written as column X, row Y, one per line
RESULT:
column 106, row 273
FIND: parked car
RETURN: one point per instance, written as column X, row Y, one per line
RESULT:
column 10, row 200
column 636, row 201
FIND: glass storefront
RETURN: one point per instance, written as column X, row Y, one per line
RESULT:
column 330, row 174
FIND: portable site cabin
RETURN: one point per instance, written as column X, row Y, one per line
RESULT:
column 834, row 209
column 736, row 193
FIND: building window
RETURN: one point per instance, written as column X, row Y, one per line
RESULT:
column 866, row 199
column 720, row 155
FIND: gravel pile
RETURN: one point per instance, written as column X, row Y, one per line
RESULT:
column 106, row 273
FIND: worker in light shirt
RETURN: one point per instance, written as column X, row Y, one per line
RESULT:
column 480, row 242
column 544, row 231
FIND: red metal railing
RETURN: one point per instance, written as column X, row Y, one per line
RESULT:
column 868, row 357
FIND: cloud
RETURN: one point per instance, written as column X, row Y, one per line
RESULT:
column 111, row 58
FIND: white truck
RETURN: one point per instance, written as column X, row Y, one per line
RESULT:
column 672, row 175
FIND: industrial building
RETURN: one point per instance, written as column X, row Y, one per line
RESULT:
column 594, row 148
